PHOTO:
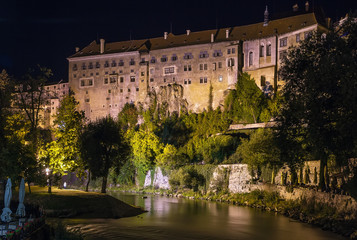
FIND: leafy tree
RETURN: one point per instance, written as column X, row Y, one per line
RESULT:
column 5, row 102
column 128, row 117
column 30, row 99
column 146, row 146
column 259, row 150
column 246, row 102
column 103, row 146
column 320, row 98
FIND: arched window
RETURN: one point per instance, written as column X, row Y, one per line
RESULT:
column 269, row 49
column 261, row 51
column 250, row 60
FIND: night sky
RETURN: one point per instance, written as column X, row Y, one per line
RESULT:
column 47, row 32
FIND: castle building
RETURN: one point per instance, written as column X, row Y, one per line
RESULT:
column 50, row 97
column 194, row 71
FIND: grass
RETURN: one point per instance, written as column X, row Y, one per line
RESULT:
column 76, row 203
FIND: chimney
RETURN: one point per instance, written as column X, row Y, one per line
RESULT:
column 102, row 42
column 188, row 32
column 227, row 33
column 307, row 6
column 295, row 8
column 266, row 16
column 212, row 37
column 165, row 35
column 77, row 49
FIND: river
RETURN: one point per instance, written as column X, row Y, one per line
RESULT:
column 177, row 218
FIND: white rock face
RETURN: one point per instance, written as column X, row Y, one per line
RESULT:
column 161, row 181
column 148, row 179
column 239, row 179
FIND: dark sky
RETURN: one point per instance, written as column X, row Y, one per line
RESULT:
column 47, row 32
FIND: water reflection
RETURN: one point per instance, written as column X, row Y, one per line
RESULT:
column 173, row 218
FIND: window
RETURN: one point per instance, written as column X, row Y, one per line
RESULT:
column 187, row 68
column 188, row 56
column 203, row 54
column 113, row 72
column 187, row 81
column 97, row 73
column 106, row 64
column 97, row 65
column 114, row 64
column 261, row 51
column 151, row 71
column 151, row 80
column 106, row 80
column 164, row 79
column 132, row 62
column 120, row 71
column 164, row 59
column 174, row 57
column 203, row 80
column 282, row 54
column 169, row 70
column 153, row 60
column 121, row 79
column 307, row 34
column 201, row 67
column 87, row 100
column 132, row 78
column 113, row 79
column 74, row 68
column 217, row 53
column 228, row 51
column 269, row 49
column 74, row 75
column 84, row 82
column 109, row 91
column 121, row 90
column 137, row 89
column 205, row 66
column 220, row 78
column 84, row 66
column 142, row 74
column 120, row 63
column 250, row 60
column 128, row 89
column 284, row 42
column 233, row 50
column 298, row 37
column 214, row 67
column 108, row 98
column 131, row 70
column 262, row 81
column 90, row 66
column 219, row 64
column 230, row 62
column 91, row 74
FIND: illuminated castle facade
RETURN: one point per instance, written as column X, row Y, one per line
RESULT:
column 191, row 71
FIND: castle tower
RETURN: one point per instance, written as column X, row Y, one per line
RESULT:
column 266, row 16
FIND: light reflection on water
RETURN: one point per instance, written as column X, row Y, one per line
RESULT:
column 173, row 218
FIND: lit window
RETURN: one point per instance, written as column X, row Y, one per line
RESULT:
column 132, row 62
column 203, row 54
column 114, row 64
column 164, row 58
column 174, row 57
column 153, row 60
column 106, row 64
column 188, row 56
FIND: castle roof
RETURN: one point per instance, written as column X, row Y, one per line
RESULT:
column 245, row 32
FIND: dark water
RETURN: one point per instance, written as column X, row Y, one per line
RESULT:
column 173, row 218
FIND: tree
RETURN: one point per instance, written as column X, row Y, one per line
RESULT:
column 5, row 102
column 128, row 117
column 103, row 146
column 146, row 147
column 63, row 154
column 30, row 98
column 247, row 103
column 320, row 98
column 259, row 150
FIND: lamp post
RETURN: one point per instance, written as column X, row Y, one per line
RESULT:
column 49, row 179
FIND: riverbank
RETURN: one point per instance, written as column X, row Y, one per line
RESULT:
column 304, row 210
column 65, row 203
